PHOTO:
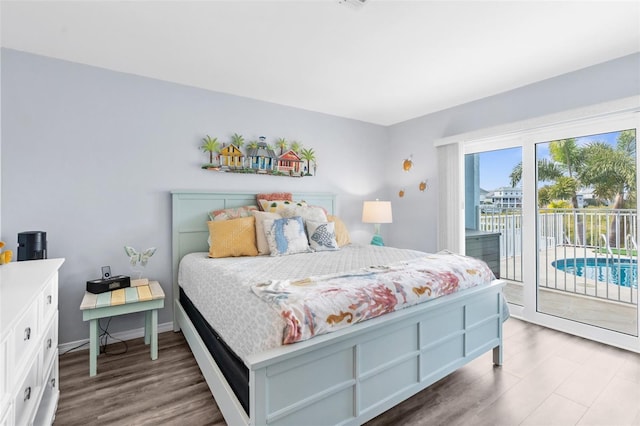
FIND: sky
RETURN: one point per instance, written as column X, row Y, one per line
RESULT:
column 496, row 166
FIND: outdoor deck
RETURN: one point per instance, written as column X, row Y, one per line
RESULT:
column 569, row 296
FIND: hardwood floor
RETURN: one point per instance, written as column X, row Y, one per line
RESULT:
column 548, row 378
column 130, row 389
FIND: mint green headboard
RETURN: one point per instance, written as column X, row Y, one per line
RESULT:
column 190, row 208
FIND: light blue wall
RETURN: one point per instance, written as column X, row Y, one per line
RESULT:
column 90, row 155
column 415, row 215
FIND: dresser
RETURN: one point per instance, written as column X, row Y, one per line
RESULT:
column 485, row 246
column 29, row 342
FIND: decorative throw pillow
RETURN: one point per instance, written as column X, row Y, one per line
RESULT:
column 286, row 236
column 274, row 196
column 322, row 235
column 279, row 206
column 261, row 238
column 314, row 214
column 234, row 237
column 342, row 233
column 232, row 213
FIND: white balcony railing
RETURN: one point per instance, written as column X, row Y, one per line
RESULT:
column 591, row 252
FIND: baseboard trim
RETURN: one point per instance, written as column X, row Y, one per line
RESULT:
column 136, row 333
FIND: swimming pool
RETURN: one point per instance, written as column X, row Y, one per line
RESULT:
column 622, row 272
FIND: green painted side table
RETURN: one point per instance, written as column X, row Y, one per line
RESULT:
column 144, row 298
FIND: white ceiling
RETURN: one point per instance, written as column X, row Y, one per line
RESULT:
column 384, row 63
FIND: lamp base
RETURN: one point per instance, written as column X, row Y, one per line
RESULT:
column 377, row 240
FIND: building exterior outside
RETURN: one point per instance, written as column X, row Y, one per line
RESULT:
column 507, row 198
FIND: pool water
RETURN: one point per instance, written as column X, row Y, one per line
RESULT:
column 622, row 272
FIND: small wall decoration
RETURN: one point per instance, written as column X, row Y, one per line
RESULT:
column 283, row 159
column 5, row 256
column 407, row 164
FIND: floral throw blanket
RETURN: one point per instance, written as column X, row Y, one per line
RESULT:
column 319, row 305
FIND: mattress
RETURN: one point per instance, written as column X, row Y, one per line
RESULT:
column 232, row 367
column 221, row 288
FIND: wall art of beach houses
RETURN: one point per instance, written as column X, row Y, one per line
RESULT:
column 259, row 157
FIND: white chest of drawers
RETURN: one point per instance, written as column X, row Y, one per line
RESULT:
column 29, row 342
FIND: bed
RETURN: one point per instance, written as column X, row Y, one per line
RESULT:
column 345, row 377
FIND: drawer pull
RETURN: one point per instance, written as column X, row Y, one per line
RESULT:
column 49, row 344
column 27, row 333
column 49, row 299
column 27, row 393
column 53, row 383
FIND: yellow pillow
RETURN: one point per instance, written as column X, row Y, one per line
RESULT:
column 280, row 206
column 342, row 233
column 231, row 238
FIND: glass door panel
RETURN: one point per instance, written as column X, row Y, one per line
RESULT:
column 493, row 214
column 587, row 254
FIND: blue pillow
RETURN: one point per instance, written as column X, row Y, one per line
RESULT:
column 322, row 235
column 286, row 236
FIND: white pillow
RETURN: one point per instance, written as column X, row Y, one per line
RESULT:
column 322, row 236
column 261, row 237
column 315, row 214
column 286, row 236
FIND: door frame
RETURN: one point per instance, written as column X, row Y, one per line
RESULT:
column 602, row 118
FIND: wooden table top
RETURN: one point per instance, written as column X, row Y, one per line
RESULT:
column 122, row 296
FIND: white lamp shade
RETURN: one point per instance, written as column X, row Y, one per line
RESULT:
column 377, row 212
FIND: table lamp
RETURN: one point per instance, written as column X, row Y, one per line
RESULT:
column 377, row 212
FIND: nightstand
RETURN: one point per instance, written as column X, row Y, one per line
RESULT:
column 146, row 298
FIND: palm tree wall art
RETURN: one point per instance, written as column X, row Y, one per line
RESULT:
column 260, row 157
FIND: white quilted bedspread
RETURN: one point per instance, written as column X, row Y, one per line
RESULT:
column 221, row 288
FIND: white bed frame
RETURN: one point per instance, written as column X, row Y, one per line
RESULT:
column 349, row 376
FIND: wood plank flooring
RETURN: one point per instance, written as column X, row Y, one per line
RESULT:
column 548, row 378
column 130, row 389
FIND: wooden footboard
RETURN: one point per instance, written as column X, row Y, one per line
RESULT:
column 355, row 374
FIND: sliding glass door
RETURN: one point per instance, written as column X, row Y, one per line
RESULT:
column 563, row 200
column 587, row 230
column 493, row 214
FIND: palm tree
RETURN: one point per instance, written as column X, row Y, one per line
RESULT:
column 237, row 140
column 296, row 146
column 253, row 144
column 547, row 171
column 569, row 158
column 566, row 165
column 565, row 188
column 612, row 173
column 627, row 142
column 308, row 155
column 210, row 145
column 282, row 144
column 567, row 162
column 544, row 197
column 516, row 175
